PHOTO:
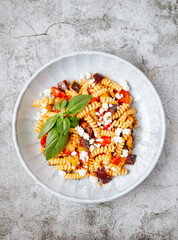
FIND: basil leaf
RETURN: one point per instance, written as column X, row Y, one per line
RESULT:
column 48, row 125
column 77, row 103
column 63, row 125
column 59, row 142
column 60, row 105
column 52, row 143
column 74, row 121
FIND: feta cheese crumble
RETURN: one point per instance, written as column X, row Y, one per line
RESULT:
column 105, row 106
column 91, row 141
column 82, row 172
column 82, row 76
column 118, row 131
column 125, row 86
column 62, row 173
column 84, row 156
column 92, row 148
column 124, row 153
column 46, row 93
column 88, row 75
column 117, row 140
column 101, row 110
column 126, row 131
column 44, row 111
column 74, row 153
column 38, row 116
column 119, row 96
column 93, row 180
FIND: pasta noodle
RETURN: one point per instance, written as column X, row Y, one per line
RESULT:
column 88, row 108
column 102, row 143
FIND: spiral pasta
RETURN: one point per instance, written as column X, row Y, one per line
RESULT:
column 87, row 109
column 109, row 83
column 100, row 92
column 101, row 145
column 108, row 100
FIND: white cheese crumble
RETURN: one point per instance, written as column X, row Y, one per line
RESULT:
column 124, row 153
column 93, row 179
column 99, row 124
column 105, row 106
column 74, row 153
column 110, row 105
column 99, row 140
column 43, row 105
column 62, row 173
column 126, row 131
column 92, row 148
column 97, row 113
column 38, row 116
column 88, row 75
column 46, row 93
column 44, row 111
column 118, row 131
column 80, row 130
column 93, row 84
column 84, row 156
column 86, row 136
column 91, row 81
column 101, row 110
column 125, row 86
column 82, row 172
column 91, row 141
column 118, row 107
column 97, row 145
column 105, row 118
column 117, row 140
column 82, row 76
column 73, row 167
column 119, row 96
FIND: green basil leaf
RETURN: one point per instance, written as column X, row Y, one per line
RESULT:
column 59, row 142
column 52, row 143
column 77, row 103
column 74, row 121
column 60, row 105
column 48, row 125
column 63, row 125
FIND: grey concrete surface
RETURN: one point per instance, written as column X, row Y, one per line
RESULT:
column 34, row 32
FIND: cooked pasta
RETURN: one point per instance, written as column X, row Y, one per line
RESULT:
column 87, row 109
column 102, row 143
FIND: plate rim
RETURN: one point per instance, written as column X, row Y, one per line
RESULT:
column 75, row 199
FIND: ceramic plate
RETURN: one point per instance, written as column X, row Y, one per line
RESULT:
column 149, row 137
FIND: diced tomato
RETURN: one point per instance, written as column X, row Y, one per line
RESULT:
column 67, row 152
column 43, row 141
column 125, row 98
column 116, row 160
column 57, row 93
column 106, row 140
column 58, row 111
column 68, row 97
column 106, row 127
column 94, row 99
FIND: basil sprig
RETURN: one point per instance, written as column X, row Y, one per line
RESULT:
column 58, row 126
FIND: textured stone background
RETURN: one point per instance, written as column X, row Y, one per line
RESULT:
column 34, row 32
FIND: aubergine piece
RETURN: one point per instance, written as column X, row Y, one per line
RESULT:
column 98, row 77
column 112, row 109
column 102, row 176
column 88, row 130
column 131, row 158
column 84, row 143
column 75, row 86
column 63, row 85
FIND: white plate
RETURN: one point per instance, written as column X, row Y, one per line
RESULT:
column 149, row 138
